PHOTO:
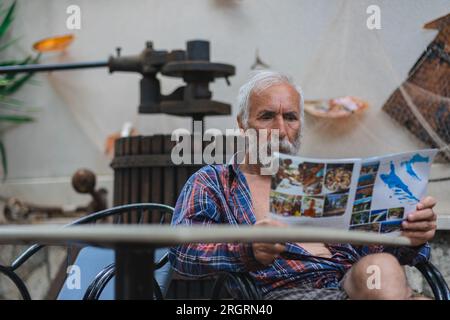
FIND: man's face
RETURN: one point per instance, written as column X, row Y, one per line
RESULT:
column 277, row 108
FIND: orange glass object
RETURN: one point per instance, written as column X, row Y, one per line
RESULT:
column 57, row 43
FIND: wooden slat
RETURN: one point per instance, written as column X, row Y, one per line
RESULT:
column 169, row 185
column 126, row 179
column 146, row 186
column 118, row 178
column 135, row 182
column 149, row 183
column 157, row 182
column 117, row 175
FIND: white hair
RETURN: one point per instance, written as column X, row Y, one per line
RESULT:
column 259, row 81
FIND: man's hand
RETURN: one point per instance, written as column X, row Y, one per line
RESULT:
column 266, row 253
column 420, row 225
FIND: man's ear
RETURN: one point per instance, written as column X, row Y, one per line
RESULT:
column 239, row 121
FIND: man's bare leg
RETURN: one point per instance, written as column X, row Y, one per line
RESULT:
column 393, row 284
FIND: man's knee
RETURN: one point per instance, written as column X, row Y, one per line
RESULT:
column 377, row 276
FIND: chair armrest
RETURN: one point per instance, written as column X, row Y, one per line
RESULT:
column 248, row 290
column 435, row 280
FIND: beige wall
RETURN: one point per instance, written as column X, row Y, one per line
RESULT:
column 325, row 45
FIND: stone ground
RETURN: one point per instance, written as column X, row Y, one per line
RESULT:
column 38, row 272
column 440, row 257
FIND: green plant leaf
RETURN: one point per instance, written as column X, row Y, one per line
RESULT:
column 10, row 83
column 35, row 82
column 16, row 85
column 14, row 75
column 4, row 82
column 20, row 81
column 17, row 107
column 4, row 159
column 10, row 100
column 9, row 43
column 10, row 63
column 15, row 118
column 9, row 103
column 8, row 19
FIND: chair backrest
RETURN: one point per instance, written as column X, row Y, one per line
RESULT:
column 91, row 261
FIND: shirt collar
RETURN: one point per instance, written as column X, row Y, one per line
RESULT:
column 233, row 164
column 233, row 167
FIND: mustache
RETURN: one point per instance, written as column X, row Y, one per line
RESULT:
column 271, row 145
column 285, row 146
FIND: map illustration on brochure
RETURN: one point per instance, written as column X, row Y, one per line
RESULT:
column 373, row 194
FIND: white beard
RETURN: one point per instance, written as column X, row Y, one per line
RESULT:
column 284, row 146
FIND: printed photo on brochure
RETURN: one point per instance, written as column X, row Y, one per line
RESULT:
column 373, row 194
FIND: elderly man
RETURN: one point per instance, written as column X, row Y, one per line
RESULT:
column 239, row 194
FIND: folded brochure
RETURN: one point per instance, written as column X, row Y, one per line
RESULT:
column 373, row 194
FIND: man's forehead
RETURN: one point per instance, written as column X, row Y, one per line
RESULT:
column 275, row 106
column 276, row 90
column 276, row 96
column 280, row 107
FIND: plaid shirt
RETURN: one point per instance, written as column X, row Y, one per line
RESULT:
column 205, row 201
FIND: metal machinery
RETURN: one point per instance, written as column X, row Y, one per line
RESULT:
column 143, row 171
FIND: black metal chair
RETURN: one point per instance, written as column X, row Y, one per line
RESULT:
column 119, row 212
column 243, row 282
column 435, row 280
column 103, row 278
column 248, row 290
